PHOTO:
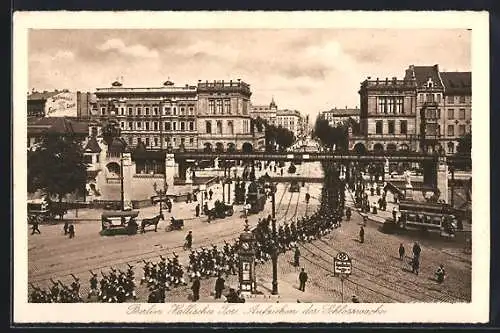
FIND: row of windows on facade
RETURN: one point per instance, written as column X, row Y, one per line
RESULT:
column 168, row 126
column 156, row 141
column 155, row 111
column 431, row 98
column 431, row 129
column 436, row 114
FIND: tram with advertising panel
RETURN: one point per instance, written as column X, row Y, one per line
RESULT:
column 428, row 216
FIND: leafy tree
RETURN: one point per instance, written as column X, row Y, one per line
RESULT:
column 57, row 167
column 331, row 136
column 278, row 135
column 110, row 130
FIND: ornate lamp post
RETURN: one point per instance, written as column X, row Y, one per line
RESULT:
column 274, row 254
column 162, row 193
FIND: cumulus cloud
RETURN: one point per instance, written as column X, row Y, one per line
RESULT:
column 135, row 50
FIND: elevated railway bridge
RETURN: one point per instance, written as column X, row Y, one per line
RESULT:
column 430, row 162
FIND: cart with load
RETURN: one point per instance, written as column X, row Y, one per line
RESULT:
column 119, row 223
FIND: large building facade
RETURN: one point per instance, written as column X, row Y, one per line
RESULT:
column 427, row 111
column 291, row 120
column 457, row 108
column 387, row 115
column 224, row 119
column 337, row 117
column 265, row 112
column 162, row 117
column 63, row 103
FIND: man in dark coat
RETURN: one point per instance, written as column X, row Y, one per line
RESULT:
column 65, row 228
column 308, row 196
column 197, row 210
column 219, row 286
column 196, row 289
column 362, row 235
column 416, row 250
column 35, row 227
column 302, row 280
column 71, row 231
column 210, row 194
column 296, row 257
column 401, row 251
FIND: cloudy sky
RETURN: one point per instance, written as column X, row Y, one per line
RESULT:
column 309, row 70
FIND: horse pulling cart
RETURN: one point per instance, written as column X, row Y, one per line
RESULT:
column 43, row 211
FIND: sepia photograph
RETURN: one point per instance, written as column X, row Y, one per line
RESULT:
column 311, row 167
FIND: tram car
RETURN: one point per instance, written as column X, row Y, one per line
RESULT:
column 256, row 197
column 428, row 216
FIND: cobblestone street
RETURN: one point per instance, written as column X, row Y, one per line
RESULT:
column 378, row 273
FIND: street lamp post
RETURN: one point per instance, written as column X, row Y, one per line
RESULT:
column 122, row 195
column 275, row 246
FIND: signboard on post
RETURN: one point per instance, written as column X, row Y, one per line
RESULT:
column 342, row 265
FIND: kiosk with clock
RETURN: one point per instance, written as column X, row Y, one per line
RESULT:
column 247, row 261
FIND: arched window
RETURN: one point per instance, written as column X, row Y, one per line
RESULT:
column 208, row 126
column 219, row 127
column 451, row 147
column 230, row 127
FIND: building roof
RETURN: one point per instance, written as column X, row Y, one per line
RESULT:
column 93, row 146
column 42, row 96
column 59, row 125
column 141, row 153
column 118, row 145
column 343, row 112
column 287, row 112
column 423, row 73
column 457, row 83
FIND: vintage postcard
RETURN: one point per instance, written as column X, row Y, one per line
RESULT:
column 204, row 167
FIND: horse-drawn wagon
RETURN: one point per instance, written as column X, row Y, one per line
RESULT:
column 42, row 210
column 119, row 222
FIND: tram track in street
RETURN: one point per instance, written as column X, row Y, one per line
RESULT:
column 442, row 296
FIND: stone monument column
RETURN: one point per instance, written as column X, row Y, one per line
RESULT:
column 442, row 179
column 127, row 180
column 170, row 170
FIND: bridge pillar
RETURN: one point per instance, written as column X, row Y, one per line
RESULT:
column 442, row 179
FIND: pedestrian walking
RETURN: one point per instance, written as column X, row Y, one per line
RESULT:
column 415, row 265
column 219, row 286
column 196, row 289
column 169, row 205
column 210, row 193
column 296, row 257
column 197, row 210
column 205, row 195
column 401, row 251
column 195, row 197
column 348, row 213
column 188, row 197
column 362, row 235
column 416, row 250
column 71, row 231
column 302, row 279
column 394, row 213
column 65, row 228
column 281, row 171
column 34, row 227
column 308, row 196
